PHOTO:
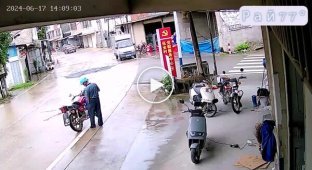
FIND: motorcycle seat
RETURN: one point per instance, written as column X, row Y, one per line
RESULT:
column 234, row 80
column 70, row 107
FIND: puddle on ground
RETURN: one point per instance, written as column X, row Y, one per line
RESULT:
column 162, row 122
column 88, row 71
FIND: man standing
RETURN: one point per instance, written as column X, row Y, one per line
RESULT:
column 91, row 92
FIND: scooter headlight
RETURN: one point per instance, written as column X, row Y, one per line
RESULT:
column 193, row 133
column 196, row 133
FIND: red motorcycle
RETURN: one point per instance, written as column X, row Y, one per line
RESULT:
column 75, row 114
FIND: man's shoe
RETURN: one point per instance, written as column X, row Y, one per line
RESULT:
column 92, row 127
column 101, row 124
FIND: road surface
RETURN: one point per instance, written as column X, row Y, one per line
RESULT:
column 135, row 135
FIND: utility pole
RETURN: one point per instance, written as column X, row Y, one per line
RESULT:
column 115, row 25
column 162, row 23
column 212, row 45
column 176, row 23
column 101, row 32
column 195, row 44
column 127, row 24
column 108, row 36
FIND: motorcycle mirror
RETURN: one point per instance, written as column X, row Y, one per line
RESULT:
column 223, row 72
column 181, row 101
column 241, row 69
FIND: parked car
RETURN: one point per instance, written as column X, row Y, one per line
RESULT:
column 124, row 47
column 68, row 48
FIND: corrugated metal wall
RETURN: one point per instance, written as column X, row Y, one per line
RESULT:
column 296, row 40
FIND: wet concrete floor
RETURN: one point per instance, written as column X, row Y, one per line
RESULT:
column 31, row 129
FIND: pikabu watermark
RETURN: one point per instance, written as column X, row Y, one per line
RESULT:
column 273, row 15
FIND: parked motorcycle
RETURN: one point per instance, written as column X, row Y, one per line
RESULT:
column 203, row 93
column 75, row 114
column 230, row 93
column 142, row 48
column 196, row 132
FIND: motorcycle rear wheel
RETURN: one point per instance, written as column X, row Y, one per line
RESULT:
column 75, row 123
column 210, row 109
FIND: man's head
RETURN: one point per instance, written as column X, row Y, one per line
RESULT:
column 84, row 81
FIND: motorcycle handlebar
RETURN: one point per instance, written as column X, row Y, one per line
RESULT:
column 75, row 96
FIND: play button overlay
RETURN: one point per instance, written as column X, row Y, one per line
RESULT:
column 149, row 85
column 155, row 85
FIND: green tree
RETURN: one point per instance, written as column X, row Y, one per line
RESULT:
column 5, row 40
column 41, row 33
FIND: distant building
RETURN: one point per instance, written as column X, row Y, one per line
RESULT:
column 54, row 35
column 144, row 26
column 25, row 56
column 224, row 27
column 232, row 33
column 82, row 34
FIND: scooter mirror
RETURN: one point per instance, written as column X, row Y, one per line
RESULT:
column 241, row 69
column 181, row 101
column 223, row 72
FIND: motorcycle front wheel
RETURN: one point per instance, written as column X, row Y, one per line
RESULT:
column 236, row 105
column 226, row 97
column 75, row 123
column 195, row 156
column 210, row 109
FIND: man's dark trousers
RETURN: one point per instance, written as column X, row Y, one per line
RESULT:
column 95, row 109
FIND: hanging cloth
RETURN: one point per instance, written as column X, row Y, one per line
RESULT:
column 268, row 142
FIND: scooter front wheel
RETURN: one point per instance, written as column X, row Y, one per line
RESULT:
column 195, row 156
column 210, row 109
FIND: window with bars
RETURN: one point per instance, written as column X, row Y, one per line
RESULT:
column 58, row 32
column 73, row 26
column 86, row 24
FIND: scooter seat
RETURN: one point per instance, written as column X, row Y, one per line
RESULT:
column 197, row 87
column 197, row 90
column 197, row 113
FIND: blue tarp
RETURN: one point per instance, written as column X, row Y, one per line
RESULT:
column 204, row 46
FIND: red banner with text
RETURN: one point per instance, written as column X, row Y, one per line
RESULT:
column 167, row 53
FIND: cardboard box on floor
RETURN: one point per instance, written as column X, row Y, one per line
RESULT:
column 252, row 162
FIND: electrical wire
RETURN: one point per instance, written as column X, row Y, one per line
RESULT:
column 220, row 142
column 232, row 145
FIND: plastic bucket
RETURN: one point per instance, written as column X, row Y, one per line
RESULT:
column 254, row 100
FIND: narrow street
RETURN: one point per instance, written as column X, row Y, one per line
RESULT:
column 31, row 127
column 135, row 135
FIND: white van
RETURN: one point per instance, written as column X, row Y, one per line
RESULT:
column 124, row 47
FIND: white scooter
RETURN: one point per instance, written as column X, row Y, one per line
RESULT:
column 203, row 93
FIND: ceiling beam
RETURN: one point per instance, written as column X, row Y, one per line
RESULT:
column 19, row 14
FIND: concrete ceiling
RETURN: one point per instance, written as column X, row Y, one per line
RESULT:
column 92, row 9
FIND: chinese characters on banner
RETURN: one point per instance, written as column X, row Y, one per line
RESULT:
column 165, row 45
